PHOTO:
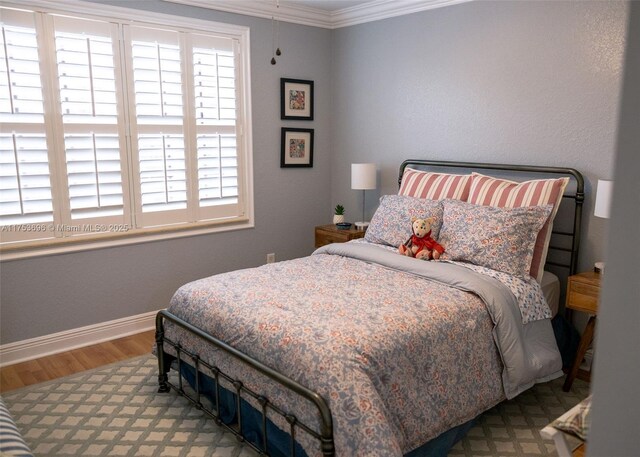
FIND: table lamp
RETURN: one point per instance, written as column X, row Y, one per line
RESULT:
column 363, row 177
column 604, row 192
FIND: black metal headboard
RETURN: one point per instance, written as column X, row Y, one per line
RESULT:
column 565, row 240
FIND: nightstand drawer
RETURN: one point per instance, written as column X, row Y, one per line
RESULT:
column 584, row 297
column 327, row 234
column 581, row 302
column 327, row 238
column 585, row 289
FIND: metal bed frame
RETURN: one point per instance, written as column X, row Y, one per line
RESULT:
column 324, row 433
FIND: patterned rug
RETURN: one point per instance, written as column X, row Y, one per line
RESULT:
column 115, row 411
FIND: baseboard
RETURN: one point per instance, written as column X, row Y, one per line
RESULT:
column 34, row 348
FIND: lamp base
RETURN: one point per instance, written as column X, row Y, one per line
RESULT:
column 361, row 225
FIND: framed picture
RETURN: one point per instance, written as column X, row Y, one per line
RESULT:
column 296, row 99
column 297, row 148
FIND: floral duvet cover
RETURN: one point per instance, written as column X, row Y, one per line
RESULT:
column 399, row 357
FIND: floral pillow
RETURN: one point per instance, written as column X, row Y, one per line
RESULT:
column 502, row 239
column 489, row 191
column 391, row 223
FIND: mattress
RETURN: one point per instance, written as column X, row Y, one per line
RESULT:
column 551, row 290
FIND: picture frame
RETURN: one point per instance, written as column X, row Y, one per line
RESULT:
column 296, row 99
column 297, row 148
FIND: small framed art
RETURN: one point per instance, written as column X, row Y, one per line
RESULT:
column 296, row 99
column 297, row 148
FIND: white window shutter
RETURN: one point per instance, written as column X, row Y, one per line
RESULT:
column 111, row 122
column 215, row 99
column 156, row 71
column 94, row 175
column 25, row 187
column 25, row 181
column 86, row 69
column 162, row 172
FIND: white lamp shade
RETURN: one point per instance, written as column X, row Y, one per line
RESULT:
column 604, row 193
column 363, row 176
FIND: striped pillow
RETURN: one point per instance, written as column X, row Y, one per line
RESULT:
column 489, row 191
column 434, row 186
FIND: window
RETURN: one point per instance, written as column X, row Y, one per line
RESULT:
column 117, row 127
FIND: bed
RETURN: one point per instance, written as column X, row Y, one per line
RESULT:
column 357, row 350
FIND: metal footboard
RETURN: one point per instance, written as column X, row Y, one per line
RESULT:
column 324, row 435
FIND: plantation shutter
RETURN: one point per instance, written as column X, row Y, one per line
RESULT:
column 115, row 125
column 156, row 71
column 89, row 106
column 25, row 187
column 25, row 180
column 215, row 99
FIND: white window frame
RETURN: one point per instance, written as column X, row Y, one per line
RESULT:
column 241, row 35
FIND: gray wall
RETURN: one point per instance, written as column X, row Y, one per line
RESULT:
column 517, row 82
column 507, row 82
column 616, row 404
column 45, row 295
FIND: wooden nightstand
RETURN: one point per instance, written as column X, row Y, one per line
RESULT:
column 583, row 292
column 327, row 234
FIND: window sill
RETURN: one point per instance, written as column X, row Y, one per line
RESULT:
column 89, row 242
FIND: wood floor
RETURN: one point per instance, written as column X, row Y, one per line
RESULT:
column 67, row 363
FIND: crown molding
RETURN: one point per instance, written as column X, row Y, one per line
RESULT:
column 66, row 7
column 374, row 10
column 383, row 9
column 285, row 13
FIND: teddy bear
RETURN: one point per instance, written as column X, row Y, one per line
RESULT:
column 420, row 245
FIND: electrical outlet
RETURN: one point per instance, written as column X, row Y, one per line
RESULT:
column 271, row 257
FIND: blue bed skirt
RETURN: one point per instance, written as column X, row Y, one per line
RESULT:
column 279, row 442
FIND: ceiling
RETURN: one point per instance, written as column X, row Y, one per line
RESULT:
column 330, row 14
